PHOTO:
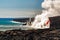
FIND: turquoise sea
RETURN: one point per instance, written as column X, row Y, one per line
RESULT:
column 9, row 24
column 8, row 21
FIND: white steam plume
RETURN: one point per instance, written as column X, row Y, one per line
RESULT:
column 52, row 8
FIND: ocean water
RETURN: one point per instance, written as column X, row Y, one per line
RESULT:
column 8, row 22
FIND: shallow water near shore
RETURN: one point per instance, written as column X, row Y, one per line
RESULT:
column 7, row 24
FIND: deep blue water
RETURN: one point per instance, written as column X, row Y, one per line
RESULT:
column 7, row 21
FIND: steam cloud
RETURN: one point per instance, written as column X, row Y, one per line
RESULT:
column 52, row 8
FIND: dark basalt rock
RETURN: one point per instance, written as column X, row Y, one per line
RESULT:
column 30, row 35
column 23, row 19
column 55, row 22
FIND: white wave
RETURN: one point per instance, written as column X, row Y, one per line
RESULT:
column 14, row 22
column 18, row 22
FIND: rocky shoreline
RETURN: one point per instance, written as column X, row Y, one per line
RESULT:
column 30, row 34
column 53, row 33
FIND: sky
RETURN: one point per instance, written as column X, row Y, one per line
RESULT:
column 20, row 4
column 12, row 8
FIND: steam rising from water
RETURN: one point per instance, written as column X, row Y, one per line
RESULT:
column 52, row 8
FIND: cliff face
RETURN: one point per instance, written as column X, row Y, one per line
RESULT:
column 55, row 22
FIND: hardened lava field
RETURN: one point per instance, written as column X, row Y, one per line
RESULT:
column 30, row 34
